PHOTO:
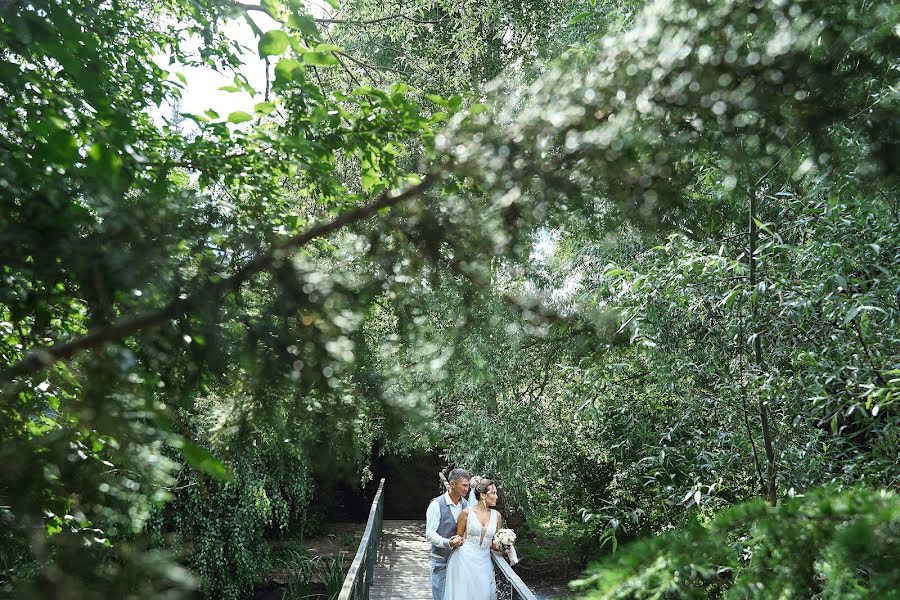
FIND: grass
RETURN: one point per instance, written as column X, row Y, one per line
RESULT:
column 310, row 576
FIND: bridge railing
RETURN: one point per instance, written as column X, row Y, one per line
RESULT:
column 359, row 577
column 519, row 591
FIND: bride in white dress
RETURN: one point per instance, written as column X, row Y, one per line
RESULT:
column 470, row 572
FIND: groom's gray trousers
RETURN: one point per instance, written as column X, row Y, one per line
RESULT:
column 438, row 577
column 446, row 528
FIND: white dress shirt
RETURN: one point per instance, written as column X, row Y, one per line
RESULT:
column 433, row 519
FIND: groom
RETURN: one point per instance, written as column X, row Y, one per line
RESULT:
column 440, row 527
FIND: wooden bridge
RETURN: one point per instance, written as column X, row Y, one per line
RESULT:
column 392, row 562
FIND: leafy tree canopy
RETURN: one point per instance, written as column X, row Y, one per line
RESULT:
column 653, row 247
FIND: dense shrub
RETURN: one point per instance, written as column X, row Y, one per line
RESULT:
column 830, row 544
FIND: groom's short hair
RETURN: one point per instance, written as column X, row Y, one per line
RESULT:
column 459, row 474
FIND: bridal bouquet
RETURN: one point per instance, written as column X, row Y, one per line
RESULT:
column 504, row 539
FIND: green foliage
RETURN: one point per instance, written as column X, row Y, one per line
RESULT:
column 16, row 562
column 224, row 526
column 306, row 571
column 554, row 266
column 659, row 133
column 830, row 544
column 445, row 47
column 107, row 213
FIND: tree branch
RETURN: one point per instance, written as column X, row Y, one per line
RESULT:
column 252, row 7
column 868, row 353
column 349, row 72
column 759, row 473
column 40, row 358
column 378, row 20
column 368, row 66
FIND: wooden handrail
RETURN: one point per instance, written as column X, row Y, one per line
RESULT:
column 520, row 591
column 359, row 577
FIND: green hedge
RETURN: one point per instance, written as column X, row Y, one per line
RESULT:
column 835, row 544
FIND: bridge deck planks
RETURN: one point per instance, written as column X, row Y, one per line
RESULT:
column 402, row 571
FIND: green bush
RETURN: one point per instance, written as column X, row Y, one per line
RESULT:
column 834, row 544
column 224, row 526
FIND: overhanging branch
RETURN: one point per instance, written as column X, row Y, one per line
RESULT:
column 324, row 21
column 40, row 358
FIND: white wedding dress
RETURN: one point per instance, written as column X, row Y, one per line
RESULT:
column 470, row 572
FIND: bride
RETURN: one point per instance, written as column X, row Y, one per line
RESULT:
column 470, row 573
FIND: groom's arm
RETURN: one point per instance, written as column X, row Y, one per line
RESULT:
column 432, row 519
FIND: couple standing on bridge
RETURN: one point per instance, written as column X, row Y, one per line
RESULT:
column 461, row 532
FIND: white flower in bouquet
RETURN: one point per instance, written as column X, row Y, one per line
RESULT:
column 504, row 538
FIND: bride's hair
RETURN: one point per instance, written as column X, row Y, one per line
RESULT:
column 482, row 488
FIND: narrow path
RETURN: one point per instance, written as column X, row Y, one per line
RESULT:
column 402, row 570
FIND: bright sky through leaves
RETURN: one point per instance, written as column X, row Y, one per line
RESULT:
column 202, row 90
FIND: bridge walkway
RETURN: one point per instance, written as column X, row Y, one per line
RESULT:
column 402, row 569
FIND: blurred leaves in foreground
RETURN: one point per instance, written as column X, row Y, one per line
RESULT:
column 205, row 318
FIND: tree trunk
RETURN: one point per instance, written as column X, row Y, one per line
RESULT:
column 771, row 492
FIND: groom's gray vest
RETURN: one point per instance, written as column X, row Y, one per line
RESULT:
column 446, row 526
